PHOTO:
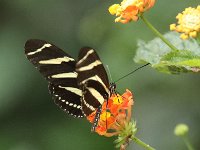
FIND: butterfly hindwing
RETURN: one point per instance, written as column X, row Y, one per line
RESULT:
column 59, row 69
column 92, row 79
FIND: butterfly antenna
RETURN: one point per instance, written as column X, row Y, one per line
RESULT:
column 132, row 72
column 109, row 73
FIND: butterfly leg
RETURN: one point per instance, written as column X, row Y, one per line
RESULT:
column 106, row 114
column 96, row 119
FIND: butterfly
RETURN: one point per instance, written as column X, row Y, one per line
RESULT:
column 77, row 87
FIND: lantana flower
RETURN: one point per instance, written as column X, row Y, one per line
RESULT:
column 129, row 10
column 115, row 118
column 188, row 23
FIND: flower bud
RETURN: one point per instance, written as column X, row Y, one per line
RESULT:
column 181, row 130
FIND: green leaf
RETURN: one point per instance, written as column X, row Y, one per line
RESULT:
column 186, row 59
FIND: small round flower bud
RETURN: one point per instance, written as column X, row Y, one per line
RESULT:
column 181, row 130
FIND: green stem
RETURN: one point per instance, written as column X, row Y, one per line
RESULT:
column 198, row 39
column 188, row 144
column 158, row 33
column 141, row 143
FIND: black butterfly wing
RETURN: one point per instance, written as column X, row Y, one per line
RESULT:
column 58, row 68
column 93, row 80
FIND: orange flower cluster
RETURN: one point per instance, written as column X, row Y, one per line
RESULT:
column 116, row 112
column 129, row 10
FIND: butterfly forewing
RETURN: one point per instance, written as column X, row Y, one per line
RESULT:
column 92, row 79
column 59, row 70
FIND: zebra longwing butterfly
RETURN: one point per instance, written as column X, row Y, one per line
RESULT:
column 79, row 88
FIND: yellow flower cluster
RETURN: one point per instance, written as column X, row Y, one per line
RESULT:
column 188, row 23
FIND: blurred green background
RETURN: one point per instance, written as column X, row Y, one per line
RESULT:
column 29, row 119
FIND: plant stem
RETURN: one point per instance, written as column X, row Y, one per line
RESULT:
column 188, row 144
column 158, row 33
column 198, row 39
column 141, row 143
